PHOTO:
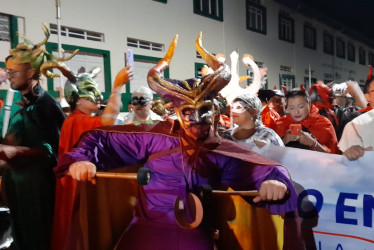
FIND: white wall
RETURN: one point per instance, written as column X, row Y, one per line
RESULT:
column 158, row 22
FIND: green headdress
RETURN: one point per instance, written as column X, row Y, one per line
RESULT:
column 39, row 58
column 83, row 86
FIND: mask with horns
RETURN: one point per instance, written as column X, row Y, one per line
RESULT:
column 192, row 99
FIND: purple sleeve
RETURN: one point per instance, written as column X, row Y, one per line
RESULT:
column 246, row 176
column 109, row 150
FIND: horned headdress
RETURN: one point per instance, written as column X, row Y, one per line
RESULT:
column 191, row 91
column 41, row 61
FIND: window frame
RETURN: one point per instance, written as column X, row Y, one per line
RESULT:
column 259, row 7
column 282, row 36
column 371, row 58
column 340, row 53
column 50, row 47
column 351, row 49
column 326, row 50
column 361, row 57
column 199, row 10
column 314, row 37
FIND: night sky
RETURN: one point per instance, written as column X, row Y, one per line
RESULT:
column 356, row 14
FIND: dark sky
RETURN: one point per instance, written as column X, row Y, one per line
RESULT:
column 356, row 14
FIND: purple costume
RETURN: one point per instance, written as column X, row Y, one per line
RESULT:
column 215, row 162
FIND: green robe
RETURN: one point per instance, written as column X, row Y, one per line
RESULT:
column 29, row 182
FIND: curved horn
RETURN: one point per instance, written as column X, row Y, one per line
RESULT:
column 284, row 89
column 302, row 87
column 256, row 85
column 164, row 63
column 46, row 33
column 208, row 57
column 63, row 59
column 44, row 69
column 369, row 77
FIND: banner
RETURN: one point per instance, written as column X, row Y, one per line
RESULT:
column 336, row 196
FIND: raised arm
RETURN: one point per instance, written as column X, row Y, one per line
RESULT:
column 114, row 104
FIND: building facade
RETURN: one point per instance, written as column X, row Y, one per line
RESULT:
column 294, row 45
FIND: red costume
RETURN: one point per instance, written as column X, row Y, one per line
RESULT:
column 319, row 126
column 74, row 126
column 269, row 116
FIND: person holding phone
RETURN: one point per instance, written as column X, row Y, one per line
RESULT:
column 303, row 127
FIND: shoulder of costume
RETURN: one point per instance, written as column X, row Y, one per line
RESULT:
column 236, row 150
column 147, row 127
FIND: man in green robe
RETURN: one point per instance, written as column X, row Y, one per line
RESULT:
column 29, row 150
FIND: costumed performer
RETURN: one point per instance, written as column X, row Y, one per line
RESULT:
column 84, row 97
column 183, row 155
column 30, row 146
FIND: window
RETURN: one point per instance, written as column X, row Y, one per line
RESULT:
column 371, row 59
column 286, row 28
column 198, row 67
column 328, row 44
column 310, row 37
column 209, row 8
column 287, row 80
column 77, row 33
column 141, row 44
column 340, row 48
column 362, row 56
column 285, row 68
column 161, row 1
column 351, row 52
column 255, row 16
column 4, row 28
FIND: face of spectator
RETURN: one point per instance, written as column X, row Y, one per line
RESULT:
column 340, row 101
column 370, row 94
column 298, row 108
column 240, row 114
column 141, row 105
column 279, row 104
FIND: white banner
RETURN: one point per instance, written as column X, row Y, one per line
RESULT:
column 336, row 196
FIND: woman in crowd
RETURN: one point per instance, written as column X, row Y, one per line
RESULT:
column 246, row 113
column 303, row 127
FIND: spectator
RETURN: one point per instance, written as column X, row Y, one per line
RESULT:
column 141, row 102
column 316, row 133
column 268, row 115
column 246, row 113
column 358, row 136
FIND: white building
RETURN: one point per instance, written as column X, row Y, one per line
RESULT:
column 286, row 40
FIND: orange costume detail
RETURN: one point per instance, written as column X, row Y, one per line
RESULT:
column 269, row 116
column 74, row 126
column 364, row 110
column 319, row 126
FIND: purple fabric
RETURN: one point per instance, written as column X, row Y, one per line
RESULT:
column 154, row 207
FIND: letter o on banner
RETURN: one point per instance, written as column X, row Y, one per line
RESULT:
column 305, row 207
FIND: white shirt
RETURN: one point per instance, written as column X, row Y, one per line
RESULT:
column 130, row 117
column 359, row 131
